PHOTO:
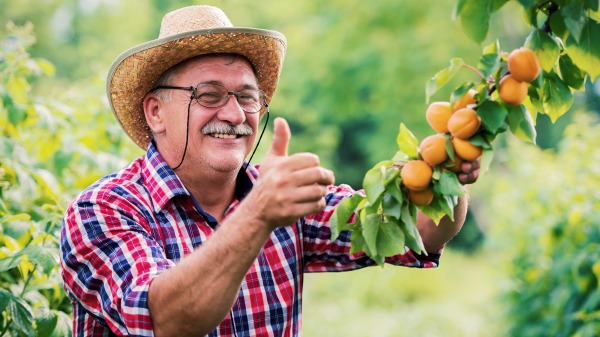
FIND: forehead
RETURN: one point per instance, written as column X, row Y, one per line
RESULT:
column 222, row 66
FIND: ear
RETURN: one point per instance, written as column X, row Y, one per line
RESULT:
column 152, row 109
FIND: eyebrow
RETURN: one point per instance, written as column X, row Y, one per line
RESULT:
column 245, row 86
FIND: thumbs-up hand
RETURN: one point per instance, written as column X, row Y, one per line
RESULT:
column 288, row 186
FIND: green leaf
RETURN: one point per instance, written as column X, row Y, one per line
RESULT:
column 545, row 47
column 8, row 263
column 357, row 241
column 486, row 160
column 373, row 182
column 342, row 214
column 370, row 230
column 449, row 184
column 390, row 239
column 391, row 207
column 45, row 66
column 411, row 234
column 21, row 316
column 5, row 297
column 570, row 73
column 394, row 190
column 407, row 142
column 586, row 53
column 575, row 18
column 592, row 4
column 521, row 123
column 63, row 327
column 16, row 217
column 556, row 96
column 433, row 211
column 475, row 18
column 493, row 115
column 391, row 174
column 489, row 62
column 45, row 257
column 480, row 140
column 442, row 77
column 46, row 321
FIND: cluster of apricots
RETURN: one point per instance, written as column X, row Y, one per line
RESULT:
column 523, row 67
column 457, row 123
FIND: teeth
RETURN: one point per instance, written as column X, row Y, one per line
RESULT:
column 224, row 135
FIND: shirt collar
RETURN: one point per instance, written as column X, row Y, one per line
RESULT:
column 164, row 184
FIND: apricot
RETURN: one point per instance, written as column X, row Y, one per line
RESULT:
column 465, row 100
column 464, row 123
column 454, row 165
column 433, row 149
column 437, row 116
column 512, row 91
column 420, row 198
column 523, row 65
column 416, row 175
column 466, row 150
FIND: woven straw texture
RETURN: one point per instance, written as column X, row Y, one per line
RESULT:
column 134, row 72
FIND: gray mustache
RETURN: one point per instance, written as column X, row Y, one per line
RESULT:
column 241, row 129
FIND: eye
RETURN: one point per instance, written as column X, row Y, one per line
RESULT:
column 248, row 96
column 209, row 97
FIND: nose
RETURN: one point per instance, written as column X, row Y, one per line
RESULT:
column 232, row 112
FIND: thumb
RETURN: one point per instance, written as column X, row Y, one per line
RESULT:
column 281, row 137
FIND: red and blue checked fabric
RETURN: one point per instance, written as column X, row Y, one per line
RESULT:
column 129, row 227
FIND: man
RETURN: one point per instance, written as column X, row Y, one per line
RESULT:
column 191, row 240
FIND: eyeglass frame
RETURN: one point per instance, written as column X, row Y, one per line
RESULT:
column 237, row 94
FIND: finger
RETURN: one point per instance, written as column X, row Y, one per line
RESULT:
column 281, row 138
column 468, row 178
column 309, row 193
column 310, row 207
column 313, row 175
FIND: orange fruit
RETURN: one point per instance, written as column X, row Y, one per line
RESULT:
column 454, row 165
column 433, row 149
column 466, row 150
column 420, row 198
column 466, row 99
column 464, row 123
column 523, row 65
column 437, row 116
column 512, row 91
column 416, row 175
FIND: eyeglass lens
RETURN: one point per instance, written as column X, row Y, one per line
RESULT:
column 214, row 96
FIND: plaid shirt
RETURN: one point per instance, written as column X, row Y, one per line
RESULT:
column 129, row 227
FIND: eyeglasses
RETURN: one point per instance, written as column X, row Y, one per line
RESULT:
column 211, row 95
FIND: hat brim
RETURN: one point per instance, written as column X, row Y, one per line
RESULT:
column 135, row 71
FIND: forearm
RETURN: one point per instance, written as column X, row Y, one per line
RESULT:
column 192, row 298
column 435, row 236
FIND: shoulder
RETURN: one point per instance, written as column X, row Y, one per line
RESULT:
column 124, row 186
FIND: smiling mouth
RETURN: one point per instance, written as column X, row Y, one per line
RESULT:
column 224, row 135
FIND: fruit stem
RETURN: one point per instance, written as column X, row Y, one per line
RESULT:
column 475, row 70
column 552, row 8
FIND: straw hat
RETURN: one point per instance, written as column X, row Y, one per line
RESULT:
column 185, row 33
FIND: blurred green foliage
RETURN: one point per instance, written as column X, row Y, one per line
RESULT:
column 50, row 148
column 32, row 302
column 542, row 213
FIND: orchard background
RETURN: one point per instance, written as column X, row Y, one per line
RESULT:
column 526, row 263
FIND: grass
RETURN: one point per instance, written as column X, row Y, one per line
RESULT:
column 457, row 299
